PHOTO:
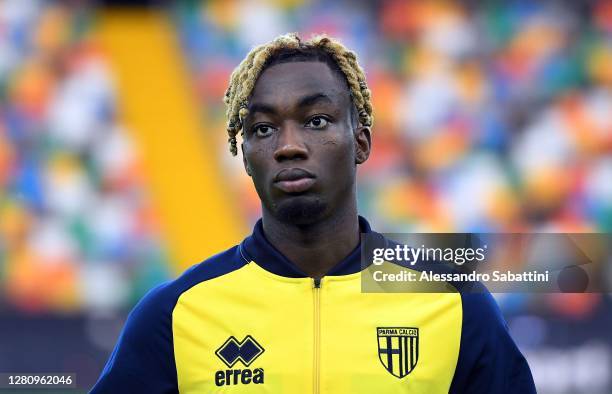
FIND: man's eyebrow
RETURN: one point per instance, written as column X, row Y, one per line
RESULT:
column 264, row 108
column 303, row 102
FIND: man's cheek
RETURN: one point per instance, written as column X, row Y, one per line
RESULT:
column 330, row 142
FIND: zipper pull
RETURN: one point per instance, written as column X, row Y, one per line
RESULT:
column 317, row 283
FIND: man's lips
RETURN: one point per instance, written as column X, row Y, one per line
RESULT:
column 294, row 180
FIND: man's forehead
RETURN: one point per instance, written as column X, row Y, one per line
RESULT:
column 291, row 82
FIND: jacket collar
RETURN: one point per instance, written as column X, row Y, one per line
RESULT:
column 258, row 249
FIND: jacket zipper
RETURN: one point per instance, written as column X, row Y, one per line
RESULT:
column 317, row 335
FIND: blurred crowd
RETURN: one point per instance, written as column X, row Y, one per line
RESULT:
column 77, row 230
column 487, row 118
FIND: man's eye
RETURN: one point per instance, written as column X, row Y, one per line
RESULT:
column 317, row 122
column 263, row 130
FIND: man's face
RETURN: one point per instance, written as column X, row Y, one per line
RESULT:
column 300, row 145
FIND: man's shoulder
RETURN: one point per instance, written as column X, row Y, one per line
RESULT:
column 213, row 267
column 164, row 296
column 143, row 360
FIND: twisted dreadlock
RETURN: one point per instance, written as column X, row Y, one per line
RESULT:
column 287, row 48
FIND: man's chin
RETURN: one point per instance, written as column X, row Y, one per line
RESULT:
column 301, row 210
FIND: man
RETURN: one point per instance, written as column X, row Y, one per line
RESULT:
column 283, row 311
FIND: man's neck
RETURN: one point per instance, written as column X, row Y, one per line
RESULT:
column 315, row 248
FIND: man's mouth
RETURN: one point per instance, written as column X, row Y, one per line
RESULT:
column 294, row 180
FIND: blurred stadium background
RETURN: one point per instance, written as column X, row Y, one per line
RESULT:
column 115, row 174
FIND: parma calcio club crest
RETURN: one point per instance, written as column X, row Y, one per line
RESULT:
column 398, row 349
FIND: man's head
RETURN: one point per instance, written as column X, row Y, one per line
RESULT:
column 304, row 112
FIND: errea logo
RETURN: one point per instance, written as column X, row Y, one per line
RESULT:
column 245, row 351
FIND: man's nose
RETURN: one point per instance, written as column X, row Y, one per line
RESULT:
column 290, row 144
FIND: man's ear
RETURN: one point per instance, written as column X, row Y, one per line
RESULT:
column 244, row 161
column 363, row 144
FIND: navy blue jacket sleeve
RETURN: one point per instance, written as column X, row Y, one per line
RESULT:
column 143, row 359
column 489, row 360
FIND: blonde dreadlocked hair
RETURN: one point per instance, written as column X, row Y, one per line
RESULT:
column 323, row 48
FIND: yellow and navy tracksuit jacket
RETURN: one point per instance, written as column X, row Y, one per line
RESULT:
column 249, row 321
